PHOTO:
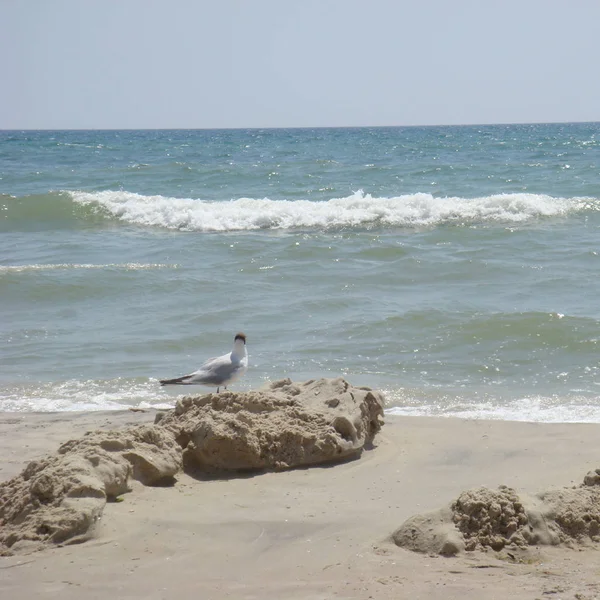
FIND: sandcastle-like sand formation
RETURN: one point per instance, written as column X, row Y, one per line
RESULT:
column 58, row 500
column 503, row 520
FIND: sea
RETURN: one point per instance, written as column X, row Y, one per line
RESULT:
column 456, row 269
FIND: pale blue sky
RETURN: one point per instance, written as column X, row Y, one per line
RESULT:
column 296, row 63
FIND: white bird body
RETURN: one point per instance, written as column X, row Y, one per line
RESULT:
column 219, row 371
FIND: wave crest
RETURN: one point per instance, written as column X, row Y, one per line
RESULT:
column 76, row 209
column 356, row 211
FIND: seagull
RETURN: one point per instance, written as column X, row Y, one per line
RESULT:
column 219, row 371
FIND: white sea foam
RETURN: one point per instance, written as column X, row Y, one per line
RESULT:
column 76, row 395
column 535, row 409
column 122, row 394
column 75, row 266
column 357, row 210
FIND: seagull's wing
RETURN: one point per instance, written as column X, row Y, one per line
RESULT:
column 178, row 380
column 202, row 375
column 215, row 371
column 212, row 363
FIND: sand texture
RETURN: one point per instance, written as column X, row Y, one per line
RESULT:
column 501, row 519
column 324, row 532
column 285, row 425
column 61, row 497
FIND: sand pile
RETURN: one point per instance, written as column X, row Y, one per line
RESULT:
column 60, row 498
column 481, row 519
column 574, row 514
column 282, row 426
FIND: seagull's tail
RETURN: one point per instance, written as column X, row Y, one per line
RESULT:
column 178, row 380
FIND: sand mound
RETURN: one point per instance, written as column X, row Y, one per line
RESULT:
column 574, row 514
column 497, row 519
column 282, row 426
column 59, row 499
column 151, row 451
column 490, row 518
column 430, row 533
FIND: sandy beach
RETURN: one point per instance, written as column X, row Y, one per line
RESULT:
column 309, row 533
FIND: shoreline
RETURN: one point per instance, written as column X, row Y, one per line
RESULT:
column 318, row 532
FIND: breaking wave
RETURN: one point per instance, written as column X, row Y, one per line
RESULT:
column 357, row 211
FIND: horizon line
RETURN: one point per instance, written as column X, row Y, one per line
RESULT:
column 255, row 128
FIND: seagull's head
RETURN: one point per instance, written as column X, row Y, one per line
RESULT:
column 239, row 346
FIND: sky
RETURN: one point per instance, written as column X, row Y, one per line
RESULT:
column 136, row 64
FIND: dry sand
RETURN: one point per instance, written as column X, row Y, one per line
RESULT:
column 310, row 533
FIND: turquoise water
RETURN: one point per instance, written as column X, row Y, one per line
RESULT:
column 455, row 268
